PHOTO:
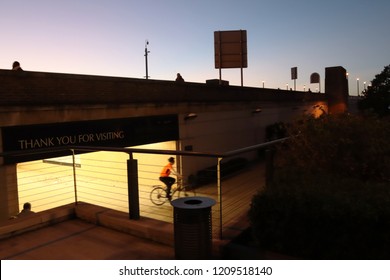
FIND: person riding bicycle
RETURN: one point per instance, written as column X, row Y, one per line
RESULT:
column 165, row 178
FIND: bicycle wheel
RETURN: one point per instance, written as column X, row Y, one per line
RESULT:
column 158, row 195
column 186, row 192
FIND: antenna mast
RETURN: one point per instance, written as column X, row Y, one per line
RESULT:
column 146, row 58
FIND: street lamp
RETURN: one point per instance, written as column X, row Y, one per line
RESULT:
column 357, row 86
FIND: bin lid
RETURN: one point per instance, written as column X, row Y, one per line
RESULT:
column 193, row 202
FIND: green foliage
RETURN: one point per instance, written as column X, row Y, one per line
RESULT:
column 377, row 97
column 331, row 195
column 347, row 145
column 318, row 216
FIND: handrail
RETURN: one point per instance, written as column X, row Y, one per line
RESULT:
column 132, row 184
column 146, row 151
column 255, row 147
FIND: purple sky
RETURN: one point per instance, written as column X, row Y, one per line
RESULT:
column 108, row 38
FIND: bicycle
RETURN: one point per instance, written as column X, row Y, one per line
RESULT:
column 158, row 195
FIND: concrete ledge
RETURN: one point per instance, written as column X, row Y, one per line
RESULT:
column 147, row 228
column 236, row 227
column 158, row 231
column 36, row 220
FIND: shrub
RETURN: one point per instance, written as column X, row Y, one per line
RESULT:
column 331, row 195
column 347, row 145
column 275, row 131
column 377, row 96
column 322, row 216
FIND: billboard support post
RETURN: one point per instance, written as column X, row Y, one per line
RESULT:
column 230, row 51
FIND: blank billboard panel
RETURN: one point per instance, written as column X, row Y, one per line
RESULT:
column 230, row 49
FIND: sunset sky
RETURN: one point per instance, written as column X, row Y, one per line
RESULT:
column 102, row 37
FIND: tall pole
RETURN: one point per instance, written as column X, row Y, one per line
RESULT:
column 242, row 77
column 357, row 85
column 220, row 57
column 146, row 58
column 242, row 62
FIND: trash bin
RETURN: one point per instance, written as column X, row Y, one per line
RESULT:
column 192, row 227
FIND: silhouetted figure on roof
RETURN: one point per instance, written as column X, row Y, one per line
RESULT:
column 26, row 210
column 16, row 66
column 179, row 78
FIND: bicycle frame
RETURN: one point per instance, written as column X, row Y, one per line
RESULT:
column 158, row 194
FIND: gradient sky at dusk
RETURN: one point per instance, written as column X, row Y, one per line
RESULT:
column 108, row 38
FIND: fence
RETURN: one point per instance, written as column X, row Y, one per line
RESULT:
column 103, row 176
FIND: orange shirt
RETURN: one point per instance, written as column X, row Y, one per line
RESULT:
column 166, row 170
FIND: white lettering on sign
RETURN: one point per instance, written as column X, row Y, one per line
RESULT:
column 36, row 143
column 86, row 138
column 66, row 140
column 47, row 142
column 104, row 136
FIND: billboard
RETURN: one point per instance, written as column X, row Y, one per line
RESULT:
column 230, row 49
column 294, row 73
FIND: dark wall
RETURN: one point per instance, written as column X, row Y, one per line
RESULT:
column 37, row 88
column 336, row 89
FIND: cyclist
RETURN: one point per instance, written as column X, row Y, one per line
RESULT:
column 165, row 178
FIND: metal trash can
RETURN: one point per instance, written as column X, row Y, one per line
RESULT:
column 192, row 227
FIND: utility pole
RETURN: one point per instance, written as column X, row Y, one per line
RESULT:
column 357, row 86
column 146, row 58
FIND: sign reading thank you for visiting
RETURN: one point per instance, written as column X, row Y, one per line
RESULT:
column 114, row 133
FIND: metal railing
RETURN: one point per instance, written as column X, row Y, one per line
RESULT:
column 116, row 178
column 46, row 186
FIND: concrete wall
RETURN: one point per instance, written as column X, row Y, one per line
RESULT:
column 40, row 89
column 35, row 97
column 220, row 132
column 225, row 119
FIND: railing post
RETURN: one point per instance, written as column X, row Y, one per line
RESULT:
column 74, row 177
column 269, row 166
column 219, row 185
column 132, row 185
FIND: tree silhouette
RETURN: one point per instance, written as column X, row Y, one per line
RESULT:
column 377, row 96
